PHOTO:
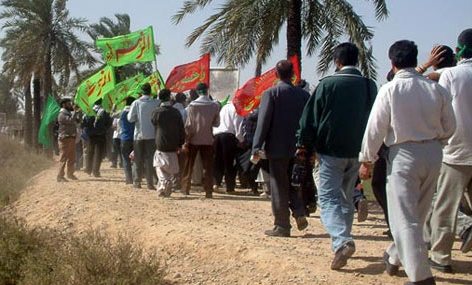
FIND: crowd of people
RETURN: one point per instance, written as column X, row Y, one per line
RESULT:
column 411, row 137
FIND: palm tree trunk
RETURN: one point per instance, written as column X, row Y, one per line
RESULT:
column 36, row 109
column 294, row 29
column 28, row 115
column 258, row 68
column 47, row 77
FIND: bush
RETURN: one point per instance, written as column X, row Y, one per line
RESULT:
column 47, row 257
column 17, row 166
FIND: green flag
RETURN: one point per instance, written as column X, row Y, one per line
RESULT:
column 130, row 48
column 94, row 88
column 156, row 82
column 51, row 111
column 117, row 95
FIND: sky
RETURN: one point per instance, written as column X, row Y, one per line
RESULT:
column 427, row 22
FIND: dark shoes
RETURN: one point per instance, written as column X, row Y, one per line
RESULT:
column 342, row 255
column 137, row 185
column 440, row 267
column 429, row 281
column 62, row 179
column 391, row 269
column 302, row 223
column 151, row 187
column 278, row 232
column 467, row 240
column 209, row 195
column 72, row 177
column 362, row 210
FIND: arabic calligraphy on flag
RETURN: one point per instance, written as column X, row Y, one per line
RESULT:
column 94, row 88
column 134, row 47
column 187, row 76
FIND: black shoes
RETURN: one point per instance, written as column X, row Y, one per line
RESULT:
column 137, row 185
column 151, row 187
column 440, row 267
column 302, row 223
column 62, row 179
column 72, row 177
column 429, row 281
column 278, row 232
column 467, row 240
column 391, row 269
column 342, row 255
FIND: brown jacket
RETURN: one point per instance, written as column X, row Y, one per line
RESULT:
column 67, row 124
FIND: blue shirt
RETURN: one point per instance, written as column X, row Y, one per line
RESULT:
column 127, row 128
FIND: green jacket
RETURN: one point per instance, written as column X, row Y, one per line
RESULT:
column 335, row 116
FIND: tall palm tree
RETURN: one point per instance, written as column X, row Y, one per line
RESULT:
column 42, row 34
column 240, row 29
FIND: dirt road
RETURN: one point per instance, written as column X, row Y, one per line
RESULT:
column 218, row 241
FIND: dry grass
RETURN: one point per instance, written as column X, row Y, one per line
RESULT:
column 17, row 166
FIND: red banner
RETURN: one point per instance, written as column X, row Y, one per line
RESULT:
column 248, row 97
column 187, row 76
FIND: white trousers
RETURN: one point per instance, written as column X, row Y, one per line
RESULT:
column 412, row 173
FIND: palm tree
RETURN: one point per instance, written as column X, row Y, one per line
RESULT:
column 42, row 34
column 241, row 29
column 107, row 28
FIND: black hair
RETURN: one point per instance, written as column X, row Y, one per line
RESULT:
column 465, row 39
column 284, row 69
column 146, row 89
column 180, row 97
column 346, row 54
column 403, row 54
column 448, row 59
column 129, row 100
column 164, row 95
column 98, row 102
column 193, row 94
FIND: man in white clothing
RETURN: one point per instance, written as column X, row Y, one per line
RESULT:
column 227, row 137
column 456, row 170
column 413, row 116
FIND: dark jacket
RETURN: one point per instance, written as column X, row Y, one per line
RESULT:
column 127, row 128
column 277, row 123
column 335, row 117
column 170, row 132
column 97, row 125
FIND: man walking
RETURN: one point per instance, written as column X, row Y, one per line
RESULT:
column 277, row 124
column 144, row 135
column 67, row 120
column 202, row 116
column 127, row 139
column 228, row 136
column 332, row 126
column 455, row 176
column 96, row 128
column 170, row 136
column 412, row 116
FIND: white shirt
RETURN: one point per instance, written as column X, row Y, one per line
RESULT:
column 230, row 122
column 410, row 108
column 140, row 113
column 458, row 81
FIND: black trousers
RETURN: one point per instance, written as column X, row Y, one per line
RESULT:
column 283, row 196
column 247, row 169
column 116, row 158
column 226, row 148
column 143, row 157
column 379, row 181
column 96, row 152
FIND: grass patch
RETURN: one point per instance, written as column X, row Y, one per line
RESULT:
column 43, row 256
column 17, row 166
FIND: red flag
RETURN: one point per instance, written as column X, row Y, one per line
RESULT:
column 187, row 76
column 248, row 97
column 244, row 100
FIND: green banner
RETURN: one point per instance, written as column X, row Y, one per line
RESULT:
column 94, row 88
column 130, row 48
column 117, row 95
column 51, row 111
